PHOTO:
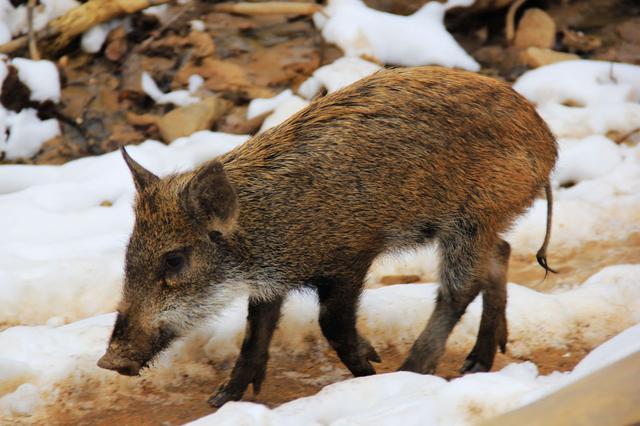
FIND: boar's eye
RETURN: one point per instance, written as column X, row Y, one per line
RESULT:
column 174, row 261
column 215, row 236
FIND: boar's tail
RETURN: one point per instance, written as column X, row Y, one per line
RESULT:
column 542, row 253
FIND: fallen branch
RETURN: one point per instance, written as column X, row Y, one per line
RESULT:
column 269, row 8
column 61, row 31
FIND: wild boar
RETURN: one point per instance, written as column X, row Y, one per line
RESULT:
column 400, row 159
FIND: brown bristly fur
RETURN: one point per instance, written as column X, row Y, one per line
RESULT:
column 402, row 158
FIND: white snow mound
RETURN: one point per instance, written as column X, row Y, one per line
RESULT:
column 581, row 98
column 418, row 39
column 26, row 131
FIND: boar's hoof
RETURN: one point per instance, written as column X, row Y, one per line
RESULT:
column 367, row 350
column 224, row 395
column 474, row 365
column 126, row 367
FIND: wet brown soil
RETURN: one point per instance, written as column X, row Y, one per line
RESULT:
column 288, row 378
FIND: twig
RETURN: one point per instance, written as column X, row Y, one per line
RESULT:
column 510, row 20
column 612, row 77
column 627, row 135
column 269, row 8
column 33, row 41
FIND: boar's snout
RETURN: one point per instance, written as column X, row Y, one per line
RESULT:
column 124, row 366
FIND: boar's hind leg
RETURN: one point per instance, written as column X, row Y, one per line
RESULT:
column 251, row 365
column 464, row 254
column 338, row 303
column 493, row 325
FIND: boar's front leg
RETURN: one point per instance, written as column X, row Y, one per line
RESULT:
column 338, row 302
column 251, row 365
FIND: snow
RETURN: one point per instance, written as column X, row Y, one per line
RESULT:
column 340, row 73
column 581, row 98
column 574, row 164
column 94, row 38
column 283, row 105
column 418, row 39
column 41, row 77
column 26, row 131
column 177, row 97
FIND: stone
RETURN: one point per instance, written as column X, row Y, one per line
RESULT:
column 535, row 29
column 535, row 57
column 189, row 119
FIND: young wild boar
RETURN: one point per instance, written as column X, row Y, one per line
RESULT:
column 399, row 159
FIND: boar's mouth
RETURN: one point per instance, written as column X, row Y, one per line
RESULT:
column 127, row 360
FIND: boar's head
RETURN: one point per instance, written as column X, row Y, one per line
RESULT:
column 179, row 265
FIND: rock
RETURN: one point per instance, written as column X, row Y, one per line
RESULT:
column 490, row 55
column 399, row 279
column 577, row 41
column 186, row 120
column 536, row 57
column 535, row 29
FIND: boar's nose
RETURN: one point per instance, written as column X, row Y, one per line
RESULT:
column 126, row 367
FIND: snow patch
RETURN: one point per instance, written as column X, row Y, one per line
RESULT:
column 581, row 98
column 93, row 39
column 418, row 39
column 177, row 97
column 27, row 132
column 340, row 73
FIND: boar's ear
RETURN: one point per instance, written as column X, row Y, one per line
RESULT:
column 141, row 176
column 211, row 198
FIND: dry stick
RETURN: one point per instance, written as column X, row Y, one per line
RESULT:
column 627, row 135
column 33, row 41
column 269, row 8
column 511, row 15
column 61, row 31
